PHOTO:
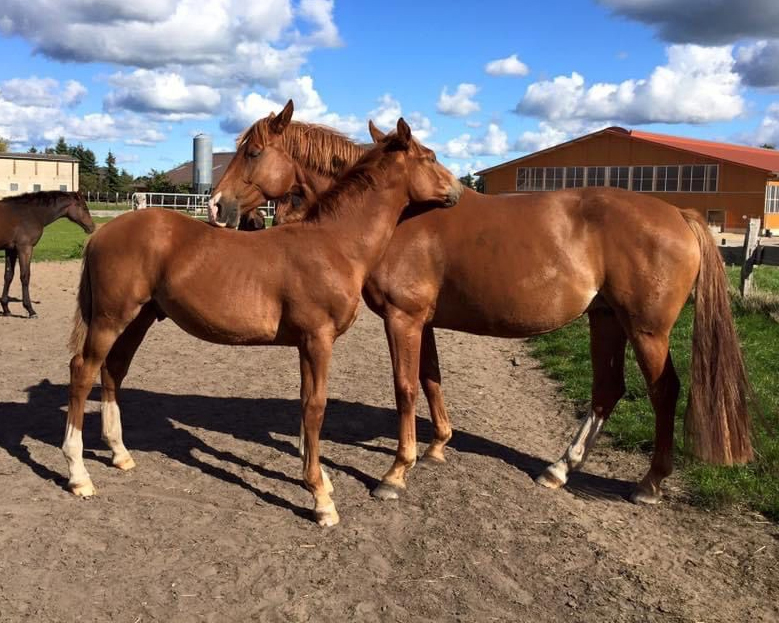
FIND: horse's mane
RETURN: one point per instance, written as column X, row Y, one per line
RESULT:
column 39, row 198
column 346, row 194
column 317, row 147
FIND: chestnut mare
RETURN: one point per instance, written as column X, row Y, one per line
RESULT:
column 22, row 219
column 292, row 286
column 521, row 265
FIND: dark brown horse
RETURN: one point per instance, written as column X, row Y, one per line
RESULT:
column 294, row 286
column 22, row 219
column 516, row 266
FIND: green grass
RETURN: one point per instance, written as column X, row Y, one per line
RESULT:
column 62, row 240
column 565, row 356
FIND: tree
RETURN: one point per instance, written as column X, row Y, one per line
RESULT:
column 111, row 174
column 126, row 181
column 158, row 182
column 768, row 146
column 474, row 183
column 62, row 147
column 3, row 144
column 32, row 150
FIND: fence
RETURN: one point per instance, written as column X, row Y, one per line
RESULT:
column 108, row 197
column 191, row 203
column 751, row 254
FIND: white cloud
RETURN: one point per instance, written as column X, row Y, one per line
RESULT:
column 697, row 85
column 221, row 41
column 44, row 92
column 161, row 93
column 510, row 66
column 546, row 136
column 459, row 104
column 493, row 143
column 461, row 169
column 309, row 107
column 389, row 110
column 768, row 131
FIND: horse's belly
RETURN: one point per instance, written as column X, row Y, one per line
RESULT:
column 505, row 309
column 228, row 324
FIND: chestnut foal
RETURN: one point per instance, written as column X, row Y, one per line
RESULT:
column 293, row 286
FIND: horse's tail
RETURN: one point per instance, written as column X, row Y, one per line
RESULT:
column 716, row 424
column 83, row 315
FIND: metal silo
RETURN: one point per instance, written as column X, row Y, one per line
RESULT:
column 202, row 164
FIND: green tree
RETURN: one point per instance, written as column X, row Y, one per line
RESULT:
column 126, row 181
column 4, row 144
column 768, row 146
column 479, row 185
column 62, row 147
column 158, row 182
column 468, row 180
column 111, row 174
column 33, row 150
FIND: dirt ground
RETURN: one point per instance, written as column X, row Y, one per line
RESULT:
column 214, row 524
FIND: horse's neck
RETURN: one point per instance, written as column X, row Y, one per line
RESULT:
column 365, row 229
column 49, row 213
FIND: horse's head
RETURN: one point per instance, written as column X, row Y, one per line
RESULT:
column 260, row 170
column 78, row 212
column 428, row 181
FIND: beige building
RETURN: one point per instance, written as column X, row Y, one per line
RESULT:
column 25, row 173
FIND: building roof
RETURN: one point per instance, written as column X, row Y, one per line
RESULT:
column 52, row 157
column 755, row 157
column 182, row 174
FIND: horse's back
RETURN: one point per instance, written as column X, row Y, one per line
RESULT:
column 524, row 264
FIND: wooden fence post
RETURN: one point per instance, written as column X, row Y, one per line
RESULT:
column 750, row 246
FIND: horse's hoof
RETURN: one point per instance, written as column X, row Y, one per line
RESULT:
column 639, row 496
column 327, row 519
column 549, row 479
column 383, row 491
column 125, row 464
column 429, row 460
column 6, row 313
column 84, row 489
column 32, row 315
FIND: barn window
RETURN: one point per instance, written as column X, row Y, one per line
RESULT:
column 618, row 177
column 535, row 179
column 712, row 174
column 553, row 178
column 36, row 188
column 772, row 199
column 14, row 186
column 64, row 187
column 574, row 177
column 667, row 179
column 596, row 176
column 642, row 178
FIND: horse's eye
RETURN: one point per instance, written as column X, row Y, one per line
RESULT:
column 432, row 158
column 255, row 152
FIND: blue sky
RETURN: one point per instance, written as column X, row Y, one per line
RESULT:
column 480, row 84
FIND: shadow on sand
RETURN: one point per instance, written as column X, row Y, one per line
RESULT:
column 150, row 424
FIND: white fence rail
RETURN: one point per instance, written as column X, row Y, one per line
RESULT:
column 194, row 204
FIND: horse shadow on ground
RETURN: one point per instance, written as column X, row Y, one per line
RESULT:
column 153, row 422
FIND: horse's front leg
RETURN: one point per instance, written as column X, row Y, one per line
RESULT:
column 315, row 352
column 404, row 334
column 25, row 257
column 10, row 266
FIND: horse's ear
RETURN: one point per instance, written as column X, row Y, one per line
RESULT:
column 404, row 132
column 376, row 134
column 280, row 123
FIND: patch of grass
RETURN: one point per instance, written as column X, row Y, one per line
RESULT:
column 62, row 240
column 564, row 354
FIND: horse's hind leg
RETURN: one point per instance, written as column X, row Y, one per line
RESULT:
column 10, row 266
column 112, row 373
column 83, row 369
column 654, row 358
column 430, row 379
column 25, row 256
column 607, row 350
